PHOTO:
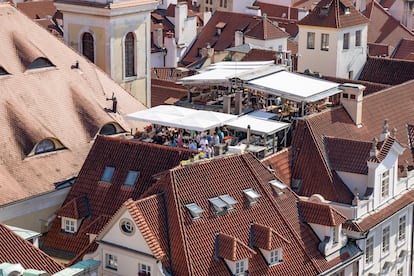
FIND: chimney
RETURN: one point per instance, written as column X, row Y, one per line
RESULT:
column 157, row 36
column 351, row 99
column 180, row 16
column 238, row 38
column 385, row 132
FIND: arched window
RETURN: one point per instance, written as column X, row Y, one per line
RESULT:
column 88, row 46
column 108, row 129
column 130, row 55
column 45, row 145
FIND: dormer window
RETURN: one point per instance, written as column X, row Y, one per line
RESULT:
column 275, row 256
column 252, row 196
column 335, row 234
column 385, row 184
column 278, row 186
column 45, row 145
column 107, row 174
column 219, row 28
column 347, row 10
column 195, row 210
column 241, row 267
column 108, row 129
column 324, row 11
column 69, row 225
column 131, row 178
column 40, row 63
column 3, row 71
column 223, row 203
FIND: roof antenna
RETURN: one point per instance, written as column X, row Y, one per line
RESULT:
column 114, row 102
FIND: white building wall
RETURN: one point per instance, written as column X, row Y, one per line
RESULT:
column 287, row 3
column 268, row 43
column 240, row 5
column 157, row 60
column 354, row 182
column 354, row 58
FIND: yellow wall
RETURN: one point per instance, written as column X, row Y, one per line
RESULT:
column 99, row 35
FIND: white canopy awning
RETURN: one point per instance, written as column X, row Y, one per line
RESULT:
column 293, row 86
column 257, row 126
column 181, row 117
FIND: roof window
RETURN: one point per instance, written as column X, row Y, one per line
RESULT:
column 107, row 174
column 40, row 63
column 223, row 203
column 277, row 186
column 46, row 145
column 324, row 11
column 131, row 178
column 195, row 210
column 252, row 196
column 3, row 71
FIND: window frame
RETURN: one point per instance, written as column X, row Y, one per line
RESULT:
column 69, row 225
column 358, row 38
column 89, row 51
column 240, row 267
column 144, row 269
column 386, row 239
column 310, row 41
column 369, row 251
column 385, row 184
column 402, row 231
column 345, row 44
column 130, row 177
column 108, row 174
column 324, row 42
column 130, row 64
column 111, row 261
column 42, row 148
column 277, row 256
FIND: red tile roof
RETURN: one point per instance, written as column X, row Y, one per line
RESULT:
column 37, row 9
column 162, row 90
column 260, row 55
column 77, row 208
column 370, row 87
column 278, row 11
column 387, row 71
column 280, row 163
column 14, row 249
column 310, row 160
column 404, row 50
column 379, row 50
column 208, row 36
column 319, row 213
column 32, row 110
column 383, row 28
column 332, row 14
column 347, row 155
column 275, row 218
column 105, row 198
column 264, row 30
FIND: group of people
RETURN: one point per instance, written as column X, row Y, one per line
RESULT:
column 193, row 140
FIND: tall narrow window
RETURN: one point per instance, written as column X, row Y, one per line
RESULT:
column 358, row 38
column 144, row 270
column 130, row 55
column 240, row 267
column 401, row 229
column 325, row 42
column 346, row 41
column 386, row 239
column 88, row 46
column 111, row 262
column 369, row 250
column 311, row 40
column 385, row 184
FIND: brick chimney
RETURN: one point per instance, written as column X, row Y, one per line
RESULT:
column 351, row 99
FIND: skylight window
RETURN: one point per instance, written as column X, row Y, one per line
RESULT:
column 107, row 174
column 131, row 178
column 40, row 63
column 223, row 203
column 3, row 71
column 195, row 210
column 252, row 196
column 277, row 186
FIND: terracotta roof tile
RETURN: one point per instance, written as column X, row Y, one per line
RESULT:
column 347, row 155
column 234, row 22
column 162, row 90
column 106, row 198
column 334, row 14
column 280, row 163
column 370, row 87
column 264, row 30
column 232, row 248
column 32, row 110
column 37, row 9
column 322, row 214
column 383, row 28
column 77, row 208
column 379, row 50
column 267, row 238
column 404, row 49
column 14, row 249
column 310, row 165
column 387, row 71
column 278, row 11
column 193, row 244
